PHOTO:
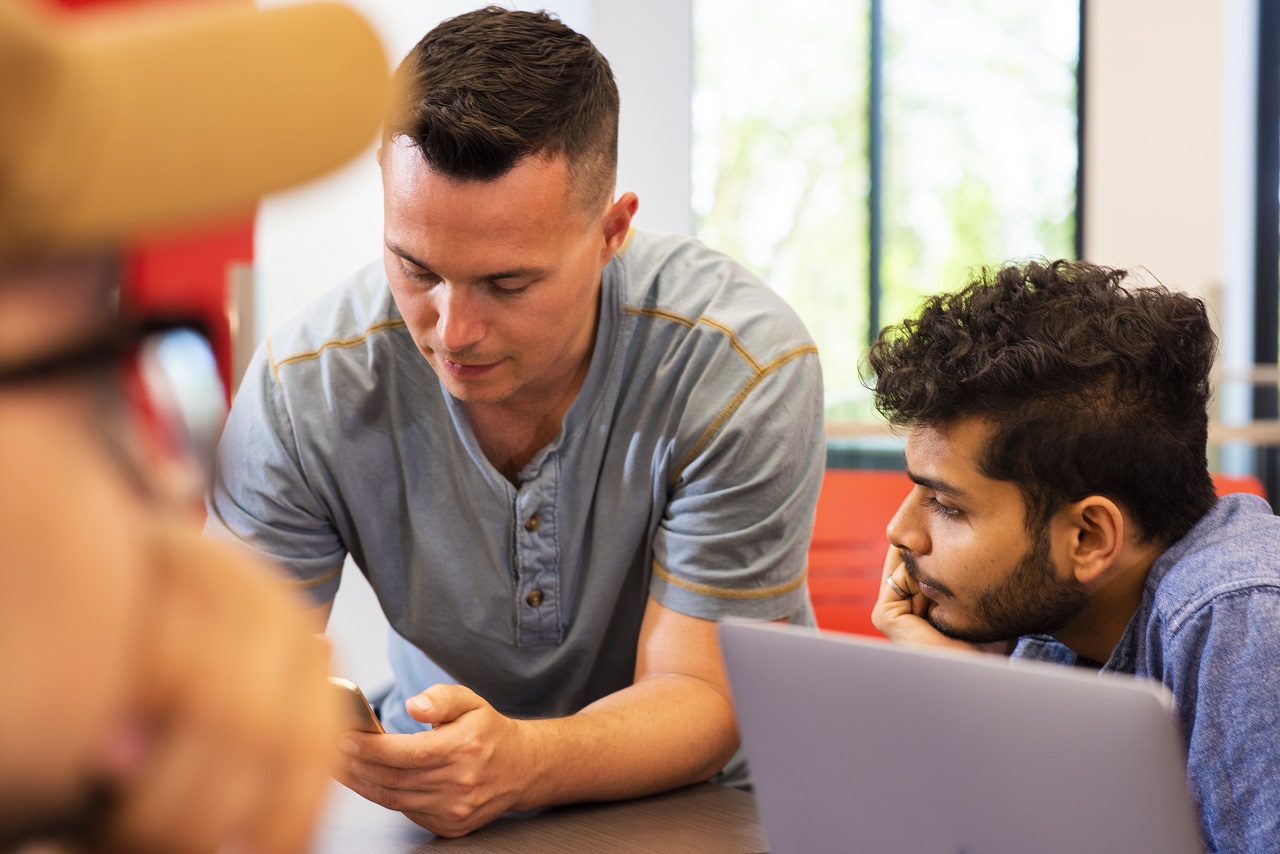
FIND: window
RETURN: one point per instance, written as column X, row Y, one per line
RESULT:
column 858, row 154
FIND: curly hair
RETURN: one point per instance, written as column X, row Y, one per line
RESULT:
column 485, row 89
column 1093, row 388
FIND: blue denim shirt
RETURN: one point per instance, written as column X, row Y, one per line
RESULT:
column 1208, row 627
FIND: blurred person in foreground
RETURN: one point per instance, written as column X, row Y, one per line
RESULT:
column 162, row 693
column 559, row 448
column 1063, row 508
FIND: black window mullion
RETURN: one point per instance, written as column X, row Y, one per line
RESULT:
column 875, row 164
column 1078, row 237
column 1267, row 243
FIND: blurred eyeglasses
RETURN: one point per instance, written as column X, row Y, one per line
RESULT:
column 169, row 374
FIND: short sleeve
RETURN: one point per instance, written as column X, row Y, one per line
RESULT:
column 261, row 495
column 735, row 536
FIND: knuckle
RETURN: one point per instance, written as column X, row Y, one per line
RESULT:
column 469, row 779
column 396, row 778
column 392, row 799
column 458, row 815
column 450, row 831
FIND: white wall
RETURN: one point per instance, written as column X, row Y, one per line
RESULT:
column 1169, row 124
column 1154, row 144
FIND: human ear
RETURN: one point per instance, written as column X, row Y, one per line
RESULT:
column 617, row 224
column 1093, row 535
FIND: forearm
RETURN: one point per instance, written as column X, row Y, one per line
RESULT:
column 663, row 732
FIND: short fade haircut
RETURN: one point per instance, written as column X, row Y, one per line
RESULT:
column 1094, row 389
column 485, row 89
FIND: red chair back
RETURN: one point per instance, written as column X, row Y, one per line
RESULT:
column 1228, row 483
column 849, row 545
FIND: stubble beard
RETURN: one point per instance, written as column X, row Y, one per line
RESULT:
column 1032, row 599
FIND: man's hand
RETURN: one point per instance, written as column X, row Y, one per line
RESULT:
column 672, row 727
column 901, row 618
column 461, row 774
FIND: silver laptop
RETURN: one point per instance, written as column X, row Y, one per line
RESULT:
column 859, row 745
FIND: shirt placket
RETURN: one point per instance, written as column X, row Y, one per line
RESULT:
column 537, row 582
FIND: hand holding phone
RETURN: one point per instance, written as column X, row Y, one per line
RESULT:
column 357, row 713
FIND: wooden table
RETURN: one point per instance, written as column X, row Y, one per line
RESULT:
column 703, row 818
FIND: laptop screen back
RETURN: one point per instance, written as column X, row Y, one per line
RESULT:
column 860, row 745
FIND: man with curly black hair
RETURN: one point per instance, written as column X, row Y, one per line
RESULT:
column 1063, row 508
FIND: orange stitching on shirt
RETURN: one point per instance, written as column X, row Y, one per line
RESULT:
column 729, row 592
column 733, row 404
column 626, row 241
column 271, row 359
column 734, row 342
column 308, row 583
column 341, row 343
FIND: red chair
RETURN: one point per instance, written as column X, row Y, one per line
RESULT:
column 847, row 553
column 1228, row 483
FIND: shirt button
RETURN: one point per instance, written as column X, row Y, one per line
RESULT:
column 534, row 598
column 533, row 524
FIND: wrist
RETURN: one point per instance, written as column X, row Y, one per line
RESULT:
column 536, row 759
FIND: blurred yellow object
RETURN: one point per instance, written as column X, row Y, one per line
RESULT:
column 154, row 117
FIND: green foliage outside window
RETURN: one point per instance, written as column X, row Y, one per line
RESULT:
column 979, row 151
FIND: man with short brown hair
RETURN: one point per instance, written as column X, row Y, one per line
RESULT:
column 559, row 449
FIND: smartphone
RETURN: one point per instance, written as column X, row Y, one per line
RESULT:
column 359, row 714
